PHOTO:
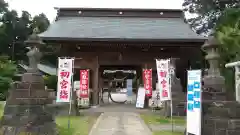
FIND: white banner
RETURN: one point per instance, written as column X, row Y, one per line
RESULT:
column 140, row 97
column 194, row 101
column 164, row 79
column 65, row 74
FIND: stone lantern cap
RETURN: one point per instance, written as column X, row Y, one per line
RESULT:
column 34, row 39
column 211, row 42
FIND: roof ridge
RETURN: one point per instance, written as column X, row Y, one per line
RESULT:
column 116, row 9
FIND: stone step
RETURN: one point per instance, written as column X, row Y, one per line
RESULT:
column 28, row 101
column 29, row 94
column 27, row 86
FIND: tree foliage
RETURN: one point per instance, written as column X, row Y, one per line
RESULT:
column 207, row 12
column 223, row 17
column 51, row 81
column 228, row 34
column 15, row 29
column 7, row 71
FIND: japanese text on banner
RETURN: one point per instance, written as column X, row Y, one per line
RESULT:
column 64, row 80
column 147, row 80
column 163, row 79
column 84, row 83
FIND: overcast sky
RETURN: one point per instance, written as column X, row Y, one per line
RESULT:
column 47, row 6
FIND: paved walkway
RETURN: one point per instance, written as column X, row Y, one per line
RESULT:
column 167, row 127
column 120, row 123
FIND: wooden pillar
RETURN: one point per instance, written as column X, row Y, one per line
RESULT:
column 96, row 82
column 183, row 67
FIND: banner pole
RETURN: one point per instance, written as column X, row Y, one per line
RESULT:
column 171, row 103
column 70, row 103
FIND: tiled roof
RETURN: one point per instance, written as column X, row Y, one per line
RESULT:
column 78, row 28
column 42, row 67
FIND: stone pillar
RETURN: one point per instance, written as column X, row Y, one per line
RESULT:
column 236, row 66
column 219, row 117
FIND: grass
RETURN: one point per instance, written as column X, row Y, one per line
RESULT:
column 156, row 119
column 1, row 110
column 167, row 133
column 79, row 125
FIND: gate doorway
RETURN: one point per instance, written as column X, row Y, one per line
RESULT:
column 114, row 84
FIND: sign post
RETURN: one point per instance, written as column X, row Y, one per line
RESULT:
column 65, row 82
column 164, row 82
column 140, row 97
column 129, row 89
column 194, row 101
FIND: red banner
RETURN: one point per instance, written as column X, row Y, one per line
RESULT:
column 84, row 83
column 147, row 80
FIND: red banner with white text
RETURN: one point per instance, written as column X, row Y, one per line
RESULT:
column 84, row 83
column 147, row 81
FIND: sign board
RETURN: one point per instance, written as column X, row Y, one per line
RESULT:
column 129, row 87
column 194, row 102
column 140, row 98
column 147, row 81
column 155, row 100
column 76, row 85
column 84, row 87
column 64, row 85
column 164, row 79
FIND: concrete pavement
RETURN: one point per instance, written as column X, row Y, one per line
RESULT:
column 120, row 123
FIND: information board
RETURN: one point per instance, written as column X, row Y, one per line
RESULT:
column 194, row 102
column 129, row 87
column 140, row 98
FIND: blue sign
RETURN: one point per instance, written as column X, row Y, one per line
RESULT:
column 197, row 94
column 197, row 104
column 190, row 87
column 196, row 85
column 190, row 97
column 129, row 87
column 190, row 107
column 194, row 90
column 194, row 102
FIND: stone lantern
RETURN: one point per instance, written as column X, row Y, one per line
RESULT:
column 213, row 81
column 33, row 43
column 26, row 110
column 219, row 116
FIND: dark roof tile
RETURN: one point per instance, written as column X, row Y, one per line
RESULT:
column 120, row 28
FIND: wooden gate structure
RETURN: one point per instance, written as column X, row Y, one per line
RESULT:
column 100, row 37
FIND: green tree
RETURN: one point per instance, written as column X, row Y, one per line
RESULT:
column 7, row 71
column 15, row 29
column 41, row 22
column 207, row 12
column 51, row 81
column 3, row 6
column 228, row 34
